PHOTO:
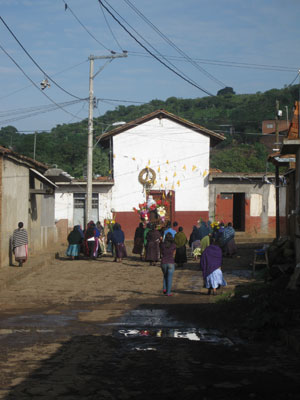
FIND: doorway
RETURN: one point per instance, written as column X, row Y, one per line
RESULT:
column 79, row 217
column 238, row 218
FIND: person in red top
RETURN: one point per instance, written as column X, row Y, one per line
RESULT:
column 168, row 250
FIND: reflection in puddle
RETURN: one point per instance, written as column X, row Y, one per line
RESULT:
column 194, row 334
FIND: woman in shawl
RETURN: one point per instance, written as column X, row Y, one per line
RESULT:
column 194, row 241
column 74, row 240
column 153, row 242
column 180, row 241
column 91, row 240
column 20, row 244
column 228, row 242
column 210, row 263
column 118, row 239
column 139, row 240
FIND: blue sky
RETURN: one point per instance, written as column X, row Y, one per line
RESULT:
column 260, row 32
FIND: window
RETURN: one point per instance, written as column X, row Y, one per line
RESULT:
column 270, row 126
column 79, row 200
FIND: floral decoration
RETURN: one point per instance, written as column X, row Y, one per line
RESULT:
column 197, row 252
column 144, row 211
column 215, row 225
column 109, row 222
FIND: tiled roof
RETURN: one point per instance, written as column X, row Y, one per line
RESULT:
column 20, row 157
column 215, row 137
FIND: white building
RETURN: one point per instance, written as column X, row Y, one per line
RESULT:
column 174, row 153
column 161, row 146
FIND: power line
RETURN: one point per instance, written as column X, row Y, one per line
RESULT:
column 234, row 64
column 109, row 27
column 27, row 113
column 168, row 61
column 156, row 51
column 67, row 7
column 153, row 55
column 32, row 59
column 294, row 79
column 34, row 84
column 57, row 73
column 174, row 46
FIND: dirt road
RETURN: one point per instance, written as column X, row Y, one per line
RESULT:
column 103, row 330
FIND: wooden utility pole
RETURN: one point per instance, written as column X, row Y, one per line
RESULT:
column 277, row 172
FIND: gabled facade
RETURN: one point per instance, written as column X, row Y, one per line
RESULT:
column 173, row 154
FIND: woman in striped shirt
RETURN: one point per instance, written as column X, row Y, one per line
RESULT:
column 20, row 244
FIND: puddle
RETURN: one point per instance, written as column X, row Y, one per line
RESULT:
column 194, row 334
column 147, row 318
column 241, row 273
column 154, row 324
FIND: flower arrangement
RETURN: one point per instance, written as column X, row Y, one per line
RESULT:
column 109, row 222
column 197, row 252
column 215, row 225
column 159, row 207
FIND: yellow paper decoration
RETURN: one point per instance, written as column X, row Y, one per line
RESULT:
column 204, row 173
column 149, row 162
column 133, row 158
column 174, row 174
column 178, row 183
column 184, row 167
column 194, row 167
column 166, row 179
column 161, row 185
column 158, row 169
column 173, row 187
column 167, row 162
column 114, row 156
column 155, row 182
column 163, row 195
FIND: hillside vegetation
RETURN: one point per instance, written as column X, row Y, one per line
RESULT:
column 66, row 145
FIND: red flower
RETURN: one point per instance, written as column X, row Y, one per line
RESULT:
column 158, row 202
column 166, row 203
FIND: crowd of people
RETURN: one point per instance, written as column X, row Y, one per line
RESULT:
column 166, row 245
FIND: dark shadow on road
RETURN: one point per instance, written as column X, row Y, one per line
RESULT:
column 144, row 368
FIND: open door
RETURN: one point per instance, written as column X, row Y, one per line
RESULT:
column 238, row 219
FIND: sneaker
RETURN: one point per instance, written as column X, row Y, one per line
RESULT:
column 164, row 291
column 170, row 294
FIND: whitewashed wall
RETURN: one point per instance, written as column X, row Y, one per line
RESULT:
column 105, row 205
column 178, row 155
column 255, row 205
column 64, row 205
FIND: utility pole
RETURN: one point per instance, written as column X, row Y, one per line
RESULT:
column 277, row 127
column 278, row 114
column 34, row 146
column 89, row 183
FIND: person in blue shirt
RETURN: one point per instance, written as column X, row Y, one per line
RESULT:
column 169, row 230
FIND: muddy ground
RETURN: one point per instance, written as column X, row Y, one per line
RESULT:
column 102, row 330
